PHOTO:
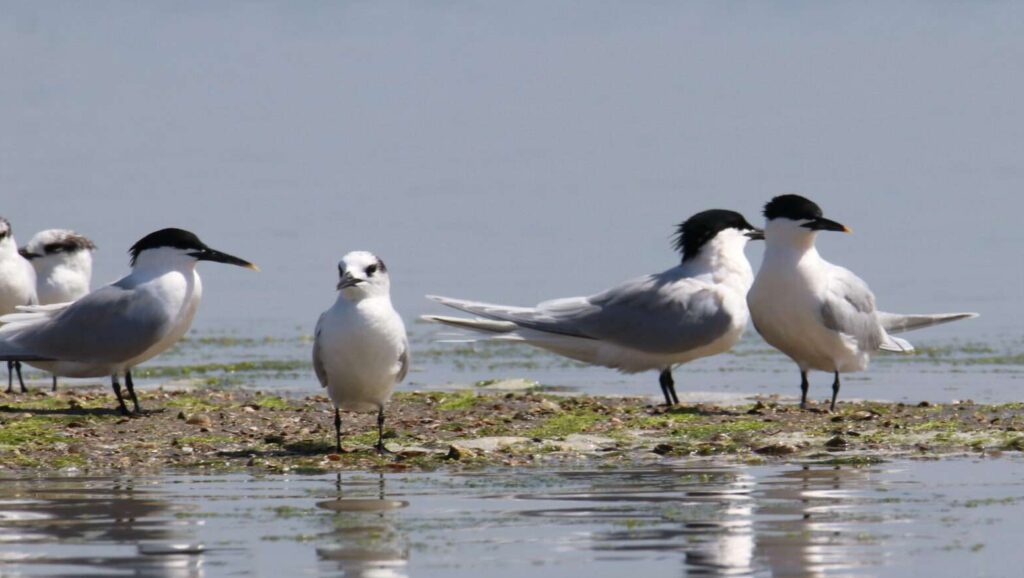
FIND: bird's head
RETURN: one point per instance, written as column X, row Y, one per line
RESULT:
column 57, row 246
column 168, row 247
column 362, row 274
column 795, row 218
column 714, row 230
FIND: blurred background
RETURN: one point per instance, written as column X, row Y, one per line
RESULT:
column 514, row 152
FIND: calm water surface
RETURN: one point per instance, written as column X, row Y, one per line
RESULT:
column 959, row 517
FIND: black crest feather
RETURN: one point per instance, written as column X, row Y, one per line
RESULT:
column 695, row 232
column 171, row 237
column 792, row 207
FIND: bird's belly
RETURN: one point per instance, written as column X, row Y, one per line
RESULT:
column 74, row 368
column 804, row 338
column 361, row 375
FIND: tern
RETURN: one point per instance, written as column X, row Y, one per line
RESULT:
column 63, row 263
column 360, row 348
column 17, row 288
column 819, row 314
column 656, row 322
column 118, row 326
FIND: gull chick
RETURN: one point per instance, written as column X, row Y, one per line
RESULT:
column 17, row 288
column 819, row 314
column 118, row 326
column 360, row 349
column 63, row 263
column 695, row 309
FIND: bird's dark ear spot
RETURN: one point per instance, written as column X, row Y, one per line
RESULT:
column 381, row 266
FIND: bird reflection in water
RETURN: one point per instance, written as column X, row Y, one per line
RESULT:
column 366, row 541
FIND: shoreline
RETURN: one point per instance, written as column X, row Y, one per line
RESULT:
column 77, row 431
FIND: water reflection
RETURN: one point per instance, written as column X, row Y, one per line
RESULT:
column 364, row 541
column 677, row 519
column 103, row 526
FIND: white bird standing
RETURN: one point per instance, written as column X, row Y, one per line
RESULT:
column 819, row 314
column 117, row 327
column 17, row 288
column 360, row 349
column 655, row 322
column 63, row 263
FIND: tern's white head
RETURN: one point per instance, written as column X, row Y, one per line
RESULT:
column 174, row 248
column 793, row 220
column 59, row 247
column 362, row 274
column 715, row 234
column 7, row 244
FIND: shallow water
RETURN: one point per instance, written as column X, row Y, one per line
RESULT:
column 688, row 518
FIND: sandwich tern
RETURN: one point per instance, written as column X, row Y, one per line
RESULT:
column 63, row 263
column 116, row 327
column 360, row 348
column 17, row 288
column 819, row 314
column 695, row 309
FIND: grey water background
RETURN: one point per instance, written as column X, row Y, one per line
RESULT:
column 520, row 151
column 957, row 517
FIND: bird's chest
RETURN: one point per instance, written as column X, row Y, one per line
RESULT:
column 360, row 347
column 785, row 306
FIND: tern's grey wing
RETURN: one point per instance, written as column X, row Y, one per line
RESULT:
column 110, row 325
column 849, row 308
column 318, row 362
column 660, row 313
column 403, row 363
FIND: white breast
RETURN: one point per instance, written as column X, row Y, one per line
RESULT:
column 359, row 346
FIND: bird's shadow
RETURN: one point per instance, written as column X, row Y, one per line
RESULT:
column 70, row 411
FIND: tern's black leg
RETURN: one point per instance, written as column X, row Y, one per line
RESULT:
column 128, row 383
column 117, row 393
column 337, row 430
column 12, row 367
column 835, row 392
column 668, row 387
column 804, row 386
column 54, row 382
column 381, row 450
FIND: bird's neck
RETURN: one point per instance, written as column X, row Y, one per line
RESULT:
column 724, row 262
column 8, row 248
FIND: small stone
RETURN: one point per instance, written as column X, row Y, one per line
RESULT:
column 663, row 449
column 248, row 409
column 548, row 405
column 456, row 452
column 924, row 404
column 837, row 442
column 334, row 457
column 199, row 419
column 863, row 415
column 274, row 439
column 776, row 450
column 182, row 416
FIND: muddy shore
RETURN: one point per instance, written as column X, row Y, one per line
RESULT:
column 77, row 431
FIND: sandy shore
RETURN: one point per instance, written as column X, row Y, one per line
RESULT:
column 77, row 432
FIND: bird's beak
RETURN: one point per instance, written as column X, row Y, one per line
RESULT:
column 24, row 253
column 216, row 256
column 823, row 224
column 348, row 281
column 755, row 235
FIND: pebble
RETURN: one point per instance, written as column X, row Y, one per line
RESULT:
column 200, row 420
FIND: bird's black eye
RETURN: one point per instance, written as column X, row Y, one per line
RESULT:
column 371, row 270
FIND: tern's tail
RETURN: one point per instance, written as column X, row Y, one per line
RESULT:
column 896, row 323
column 481, row 325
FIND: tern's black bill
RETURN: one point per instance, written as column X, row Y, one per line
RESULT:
column 24, row 253
column 823, row 224
column 348, row 281
column 755, row 235
column 219, row 257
